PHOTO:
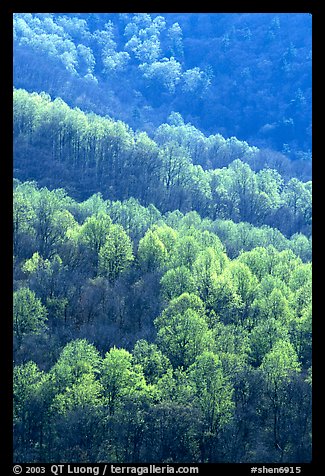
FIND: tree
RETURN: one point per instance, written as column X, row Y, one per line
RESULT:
column 185, row 251
column 29, row 411
column 152, row 252
column 29, row 314
column 279, row 366
column 84, row 393
column 167, row 72
column 52, row 220
column 177, row 281
column 206, row 268
column 213, row 395
column 93, row 233
column 153, row 362
column 225, row 300
column 175, row 42
column 245, row 284
column 23, row 218
column 46, row 276
column 116, row 255
column 183, row 337
column 260, row 260
column 77, row 359
column 297, row 198
column 121, row 378
column 195, row 81
column 179, row 305
column 264, row 336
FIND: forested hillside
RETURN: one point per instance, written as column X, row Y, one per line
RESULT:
column 162, row 245
column 86, row 153
column 242, row 75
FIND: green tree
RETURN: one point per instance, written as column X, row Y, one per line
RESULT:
column 46, row 276
column 29, row 314
column 93, row 233
column 179, row 305
column 264, row 336
column 245, row 284
column 152, row 252
column 84, row 393
column 206, row 268
column 225, row 300
column 177, row 281
column 121, row 378
column 213, row 395
column 279, row 366
column 153, row 362
column 116, row 255
column 23, row 217
column 185, row 251
column 30, row 407
column 183, row 337
column 52, row 220
column 77, row 359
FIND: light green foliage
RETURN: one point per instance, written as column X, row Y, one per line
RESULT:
column 225, row 300
column 184, row 337
column 179, row 305
column 167, row 236
column 243, row 279
column 261, row 261
column 191, row 252
column 153, row 362
column 23, row 215
column 121, row 378
column 45, row 274
column 300, row 331
column 280, row 363
column 94, row 231
column 85, row 392
column 29, row 314
column 134, row 218
column 232, row 347
column 116, row 254
column 212, row 392
column 301, row 246
column 264, row 336
column 242, row 286
column 185, row 251
column 298, row 197
column 287, row 262
column 94, row 205
column 177, row 281
column 78, row 359
column 206, row 268
column 301, row 283
column 52, row 220
column 27, row 385
column 273, row 306
column 152, row 252
column 270, row 182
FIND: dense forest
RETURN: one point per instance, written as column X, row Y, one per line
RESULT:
column 242, row 75
column 162, row 307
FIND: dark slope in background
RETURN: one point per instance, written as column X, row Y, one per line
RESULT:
column 243, row 75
